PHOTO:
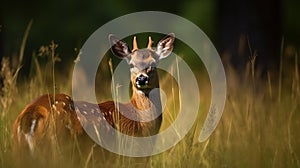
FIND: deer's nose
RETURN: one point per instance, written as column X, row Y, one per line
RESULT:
column 142, row 80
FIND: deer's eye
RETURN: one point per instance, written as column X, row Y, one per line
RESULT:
column 131, row 65
column 149, row 69
column 153, row 64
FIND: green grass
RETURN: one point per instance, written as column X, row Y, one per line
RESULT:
column 259, row 127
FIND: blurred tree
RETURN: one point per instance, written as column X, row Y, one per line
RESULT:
column 290, row 22
column 1, row 39
column 203, row 14
column 1, row 55
column 255, row 24
column 69, row 23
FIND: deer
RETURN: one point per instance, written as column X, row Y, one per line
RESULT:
column 52, row 117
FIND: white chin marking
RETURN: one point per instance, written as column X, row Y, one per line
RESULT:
column 140, row 92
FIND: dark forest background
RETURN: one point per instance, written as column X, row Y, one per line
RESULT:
column 230, row 24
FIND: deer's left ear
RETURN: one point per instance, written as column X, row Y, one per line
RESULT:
column 118, row 47
column 165, row 46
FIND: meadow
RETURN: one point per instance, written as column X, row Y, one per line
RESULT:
column 259, row 126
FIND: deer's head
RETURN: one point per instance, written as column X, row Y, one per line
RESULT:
column 143, row 62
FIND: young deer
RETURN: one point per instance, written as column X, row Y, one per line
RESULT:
column 56, row 117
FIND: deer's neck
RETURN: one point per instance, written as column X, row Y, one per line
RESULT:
column 146, row 100
column 140, row 100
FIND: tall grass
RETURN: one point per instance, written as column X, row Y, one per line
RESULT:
column 259, row 126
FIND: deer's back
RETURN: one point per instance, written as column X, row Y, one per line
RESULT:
column 58, row 117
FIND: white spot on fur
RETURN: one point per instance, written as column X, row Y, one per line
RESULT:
column 19, row 133
column 53, row 106
column 33, row 123
column 29, row 140
column 68, row 126
column 29, row 136
column 70, row 107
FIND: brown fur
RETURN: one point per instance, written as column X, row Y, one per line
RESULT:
column 55, row 120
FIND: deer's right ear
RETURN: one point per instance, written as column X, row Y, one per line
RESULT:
column 118, row 47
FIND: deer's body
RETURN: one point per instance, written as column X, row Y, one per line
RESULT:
column 58, row 117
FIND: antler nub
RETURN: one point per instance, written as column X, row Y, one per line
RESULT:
column 135, row 46
column 150, row 42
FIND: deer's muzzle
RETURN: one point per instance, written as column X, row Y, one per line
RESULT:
column 142, row 81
